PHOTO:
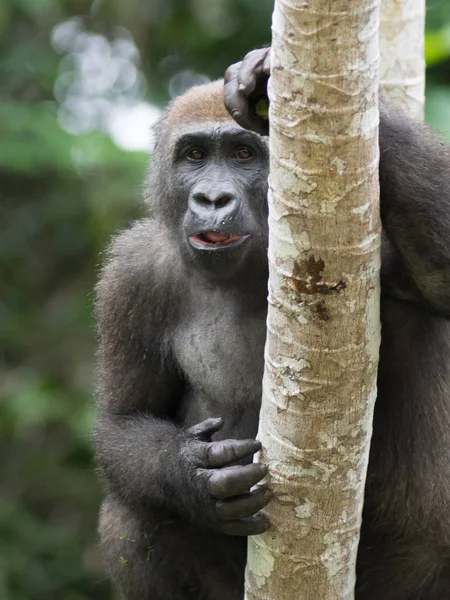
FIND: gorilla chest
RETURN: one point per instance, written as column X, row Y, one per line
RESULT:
column 220, row 350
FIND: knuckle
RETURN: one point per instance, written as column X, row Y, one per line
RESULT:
column 266, row 497
column 192, row 431
column 215, row 451
column 197, row 429
column 254, row 470
column 261, row 523
column 253, row 54
column 216, row 484
column 210, row 452
column 231, row 451
column 221, row 511
column 262, row 502
column 263, row 469
column 201, row 454
column 193, row 453
column 231, row 71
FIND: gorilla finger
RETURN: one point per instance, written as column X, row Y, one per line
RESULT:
column 266, row 64
column 235, row 103
column 243, row 506
column 249, row 526
column 251, row 70
column 238, row 107
column 223, row 453
column 253, row 122
column 231, row 73
column 235, row 481
column 206, row 429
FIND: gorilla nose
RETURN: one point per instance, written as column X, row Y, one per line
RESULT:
column 213, row 199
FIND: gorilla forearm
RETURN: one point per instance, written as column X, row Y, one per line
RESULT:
column 137, row 444
column 139, row 456
column 415, row 204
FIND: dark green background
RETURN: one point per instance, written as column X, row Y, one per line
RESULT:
column 61, row 197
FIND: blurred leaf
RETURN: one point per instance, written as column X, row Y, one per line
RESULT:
column 438, row 109
column 437, row 46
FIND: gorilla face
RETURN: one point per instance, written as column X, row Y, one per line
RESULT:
column 220, row 186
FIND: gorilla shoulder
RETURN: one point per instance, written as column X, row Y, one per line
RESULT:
column 135, row 269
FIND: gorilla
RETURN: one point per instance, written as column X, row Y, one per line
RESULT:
column 181, row 308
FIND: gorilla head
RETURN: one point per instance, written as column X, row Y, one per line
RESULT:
column 208, row 181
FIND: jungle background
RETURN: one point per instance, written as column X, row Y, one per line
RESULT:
column 81, row 81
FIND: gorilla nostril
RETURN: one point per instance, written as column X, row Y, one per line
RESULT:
column 223, row 200
column 202, row 199
column 210, row 200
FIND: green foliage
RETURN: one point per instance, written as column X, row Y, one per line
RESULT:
column 62, row 196
column 437, row 46
column 437, row 55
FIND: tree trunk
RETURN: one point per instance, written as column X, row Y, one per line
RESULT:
column 323, row 323
column 402, row 64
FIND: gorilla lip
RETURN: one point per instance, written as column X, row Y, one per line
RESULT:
column 215, row 239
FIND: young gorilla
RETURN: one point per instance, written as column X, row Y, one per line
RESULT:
column 182, row 308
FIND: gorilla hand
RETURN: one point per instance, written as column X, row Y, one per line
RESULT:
column 227, row 502
column 246, row 87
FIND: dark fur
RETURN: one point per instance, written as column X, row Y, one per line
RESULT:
column 181, row 340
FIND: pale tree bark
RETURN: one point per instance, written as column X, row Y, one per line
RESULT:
column 323, row 323
column 402, row 63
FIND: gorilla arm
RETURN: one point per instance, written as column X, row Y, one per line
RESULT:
column 146, row 457
column 414, row 183
column 415, row 210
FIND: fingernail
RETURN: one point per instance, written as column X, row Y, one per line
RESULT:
column 235, row 114
column 241, row 87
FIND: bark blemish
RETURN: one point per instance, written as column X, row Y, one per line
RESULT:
column 307, row 275
column 307, row 278
column 321, row 310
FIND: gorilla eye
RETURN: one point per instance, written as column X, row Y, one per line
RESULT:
column 243, row 153
column 196, row 154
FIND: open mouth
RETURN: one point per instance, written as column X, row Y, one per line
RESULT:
column 215, row 239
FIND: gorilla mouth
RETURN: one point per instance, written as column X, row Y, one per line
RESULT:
column 215, row 239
